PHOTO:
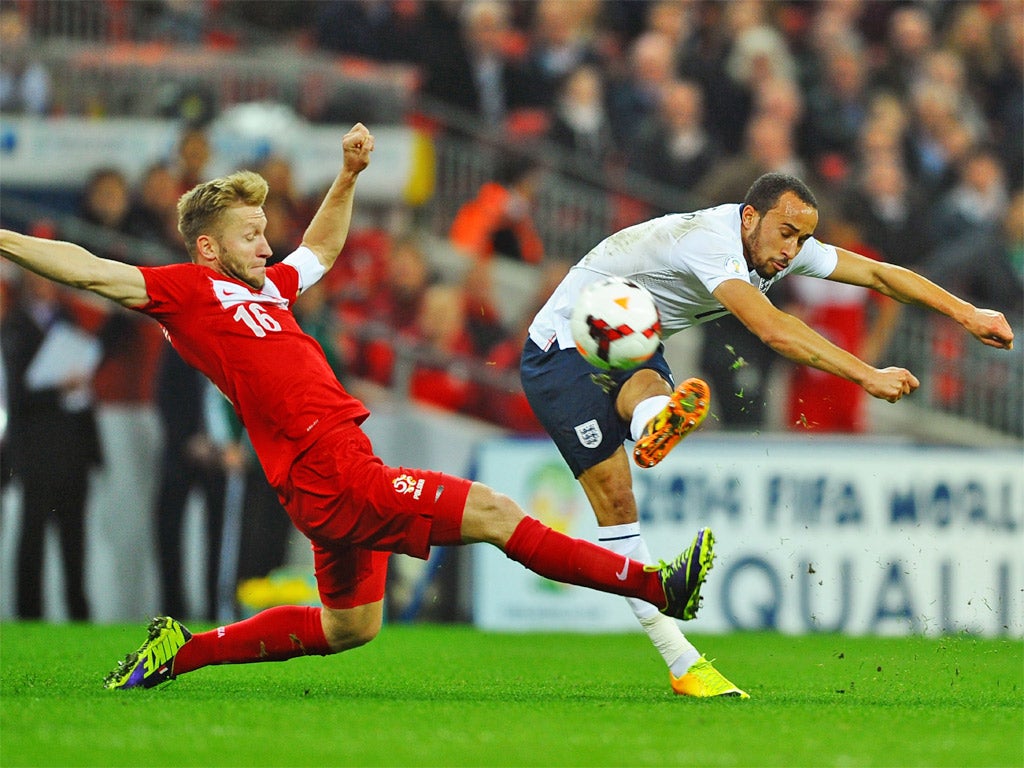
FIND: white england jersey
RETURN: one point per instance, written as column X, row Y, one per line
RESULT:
column 681, row 259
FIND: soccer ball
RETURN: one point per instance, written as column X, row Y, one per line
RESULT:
column 615, row 324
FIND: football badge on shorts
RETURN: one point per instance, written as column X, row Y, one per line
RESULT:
column 589, row 433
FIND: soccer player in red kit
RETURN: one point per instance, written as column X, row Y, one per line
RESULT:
column 228, row 314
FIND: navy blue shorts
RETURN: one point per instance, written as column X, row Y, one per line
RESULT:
column 576, row 401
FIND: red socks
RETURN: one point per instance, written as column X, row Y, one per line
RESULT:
column 275, row 634
column 574, row 561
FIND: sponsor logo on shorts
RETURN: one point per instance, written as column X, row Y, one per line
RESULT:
column 589, row 433
column 408, row 484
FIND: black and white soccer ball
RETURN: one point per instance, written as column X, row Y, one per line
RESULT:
column 615, row 324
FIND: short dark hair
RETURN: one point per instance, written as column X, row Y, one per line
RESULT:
column 765, row 192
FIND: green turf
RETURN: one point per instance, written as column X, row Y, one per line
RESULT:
column 452, row 696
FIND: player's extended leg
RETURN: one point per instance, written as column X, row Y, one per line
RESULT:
column 673, row 587
column 609, row 488
column 350, row 580
column 276, row 634
column 659, row 417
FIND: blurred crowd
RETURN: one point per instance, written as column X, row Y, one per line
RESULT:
column 906, row 118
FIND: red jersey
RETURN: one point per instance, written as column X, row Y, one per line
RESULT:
column 250, row 346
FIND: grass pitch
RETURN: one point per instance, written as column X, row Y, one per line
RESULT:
column 452, row 696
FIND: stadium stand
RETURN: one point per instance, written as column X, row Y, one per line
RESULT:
column 115, row 59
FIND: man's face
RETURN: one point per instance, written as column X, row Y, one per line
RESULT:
column 242, row 249
column 772, row 241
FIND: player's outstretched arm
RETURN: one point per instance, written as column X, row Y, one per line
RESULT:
column 328, row 230
column 795, row 340
column 74, row 266
column 987, row 325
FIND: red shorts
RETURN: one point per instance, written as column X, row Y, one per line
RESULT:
column 357, row 511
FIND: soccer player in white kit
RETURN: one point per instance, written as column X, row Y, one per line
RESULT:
column 699, row 266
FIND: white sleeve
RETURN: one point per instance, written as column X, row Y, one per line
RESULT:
column 816, row 259
column 714, row 269
column 712, row 257
column 305, row 262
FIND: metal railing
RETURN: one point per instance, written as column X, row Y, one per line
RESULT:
column 960, row 376
column 195, row 83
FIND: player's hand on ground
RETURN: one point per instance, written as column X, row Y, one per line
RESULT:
column 357, row 145
column 891, row 383
column 990, row 327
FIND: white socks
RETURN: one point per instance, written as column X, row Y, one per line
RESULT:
column 644, row 412
column 663, row 631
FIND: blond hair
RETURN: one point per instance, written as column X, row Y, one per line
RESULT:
column 201, row 209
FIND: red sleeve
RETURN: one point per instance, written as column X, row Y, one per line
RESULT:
column 169, row 287
column 286, row 278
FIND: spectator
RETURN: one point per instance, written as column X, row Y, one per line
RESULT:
column 370, row 29
column 478, row 72
column 277, row 170
column 1007, row 109
column 674, row 19
column 407, row 279
column 317, row 318
column 560, row 42
column 579, row 120
column 850, row 316
column 969, row 37
column 636, row 95
column 124, row 381
column 106, row 199
column 674, row 148
column 153, row 215
column 889, row 211
column 191, row 460
column 193, row 157
column 52, row 438
column 281, row 234
column 910, row 35
column 758, row 51
column 361, row 277
column 444, row 351
column 835, row 25
column 501, row 399
column 838, row 105
column 498, row 221
column 986, row 265
column 393, row 311
column 883, row 137
column 781, row 99
column 483, row 321
column 976, row 203
column 24, row 79
column 946, row 69
column 769, row 146
column 727, row 103
column 933, row 114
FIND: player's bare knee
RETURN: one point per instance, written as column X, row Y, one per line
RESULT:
column 489, row 516
column 352, row 627
column 641, row 385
